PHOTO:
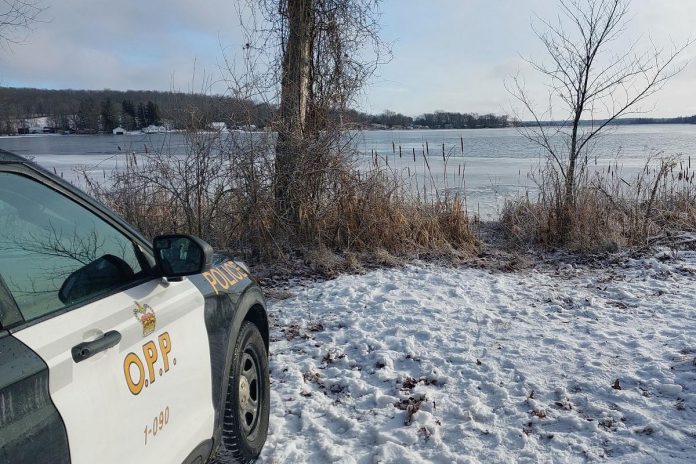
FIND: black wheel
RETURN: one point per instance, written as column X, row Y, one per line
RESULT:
column 248, row 397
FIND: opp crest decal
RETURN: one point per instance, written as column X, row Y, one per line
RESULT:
column 146, row 316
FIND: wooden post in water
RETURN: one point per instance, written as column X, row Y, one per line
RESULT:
column 461, row 140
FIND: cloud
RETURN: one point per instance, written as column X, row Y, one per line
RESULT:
column 125, row 45
column 449, row 54
column 456, row 55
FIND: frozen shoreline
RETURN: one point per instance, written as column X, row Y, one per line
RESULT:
column 494, row 164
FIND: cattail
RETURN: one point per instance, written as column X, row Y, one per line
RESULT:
column 414, row 154
column 425, row 158
column 461, row 140
column 393, row 148
column 427, row 148
column 399, row 151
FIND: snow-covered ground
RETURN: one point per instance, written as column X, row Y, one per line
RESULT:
column 436, row 364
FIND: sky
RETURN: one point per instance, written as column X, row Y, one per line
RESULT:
column 453, row 55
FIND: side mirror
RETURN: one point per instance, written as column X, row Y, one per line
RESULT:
column 182, row 255
column 100, row 275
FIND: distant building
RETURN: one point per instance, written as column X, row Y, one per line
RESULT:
column 247, row 128
column 119, row 131
column 218, row 126
column 152, row 129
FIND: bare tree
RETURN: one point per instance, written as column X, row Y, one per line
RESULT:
column 17, row 18
column 296, row 89
column 594, row 84
column 325, row 52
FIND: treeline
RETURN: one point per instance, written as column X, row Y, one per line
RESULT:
column 448, row 120
column 615, row 122
column 94, row 115
column 103, row 110
column 678, row 120
column 437, row 120
column 91, row 111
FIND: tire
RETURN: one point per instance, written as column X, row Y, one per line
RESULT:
column 247, row 403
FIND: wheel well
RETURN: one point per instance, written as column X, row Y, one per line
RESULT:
column 257, row 316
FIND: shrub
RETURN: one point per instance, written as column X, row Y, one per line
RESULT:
column 609, row 210
column 221, row 188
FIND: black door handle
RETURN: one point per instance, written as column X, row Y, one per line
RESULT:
column 86, row 350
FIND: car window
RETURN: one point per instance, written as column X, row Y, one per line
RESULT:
column 54, row 253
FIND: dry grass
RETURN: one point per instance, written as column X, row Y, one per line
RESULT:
column 610, row 210
column 221, row 189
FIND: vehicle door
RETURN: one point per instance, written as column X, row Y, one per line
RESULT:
column 127, row 352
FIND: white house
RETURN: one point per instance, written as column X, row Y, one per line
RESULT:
column 119, row 131
column 152, row 129
column 218, row 126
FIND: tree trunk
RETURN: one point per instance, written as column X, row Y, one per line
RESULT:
column 296, row 88
column 569, row 187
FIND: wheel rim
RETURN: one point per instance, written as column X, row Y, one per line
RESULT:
column 249, row 392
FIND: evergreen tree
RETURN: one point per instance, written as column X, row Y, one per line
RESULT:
column 152, row 113
column 109, row 120
column 141, row 116
column 128, row 115
column 88, row 115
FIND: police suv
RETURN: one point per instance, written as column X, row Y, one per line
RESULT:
column 117, row 350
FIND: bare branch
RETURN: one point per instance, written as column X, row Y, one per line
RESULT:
column 17, row 18
column 585, row 79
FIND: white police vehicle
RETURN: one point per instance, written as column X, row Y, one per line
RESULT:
column 116, row 350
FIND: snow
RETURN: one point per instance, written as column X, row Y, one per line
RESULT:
column 438, row 364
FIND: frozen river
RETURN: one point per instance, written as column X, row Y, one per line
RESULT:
column 486, row 165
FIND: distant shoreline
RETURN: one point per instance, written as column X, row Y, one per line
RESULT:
column 686, row 121
column 365, row 129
